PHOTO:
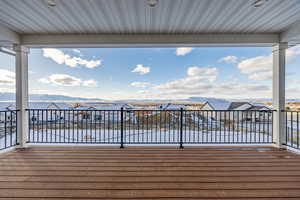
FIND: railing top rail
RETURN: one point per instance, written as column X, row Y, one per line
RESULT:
column 151, row 110
column 9, row 110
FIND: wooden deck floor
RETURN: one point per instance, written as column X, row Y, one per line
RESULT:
column 149, row 173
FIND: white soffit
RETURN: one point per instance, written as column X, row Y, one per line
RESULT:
column 135, row 16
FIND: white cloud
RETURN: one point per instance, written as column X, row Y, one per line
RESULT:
column 187, row 83
column 184, row 89
column 261, row 76
column 228, row 59
column 259, row 63
column 182, row 51
column 67, row 80
column 141, row 69
column 198, row 77
column 202, row 71
column 60, row 57
column 7, row 77
column 76, row 51
column 264, row 63
column 201, row 81
column 89, row 83
column 140, row 84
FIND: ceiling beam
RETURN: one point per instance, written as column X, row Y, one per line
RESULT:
column 148, row 40
column 292, row 34
column 8, row 37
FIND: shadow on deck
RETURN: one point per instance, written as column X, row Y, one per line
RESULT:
column 149, row 173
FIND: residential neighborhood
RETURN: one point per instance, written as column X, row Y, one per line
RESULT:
column 211, row 118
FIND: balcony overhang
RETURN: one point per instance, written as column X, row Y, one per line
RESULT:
column 133, row 23
column 8, row 37
column 149, row 40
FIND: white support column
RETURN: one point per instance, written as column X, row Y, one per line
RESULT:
column 279, row 93
column 22, row 93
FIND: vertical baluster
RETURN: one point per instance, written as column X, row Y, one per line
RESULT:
column 10, row 128
column 79, row 119
column 247, row 125
column 29, row 125
column 73, row 125
column 42, row 123
column 33, row 119
column 113, row 126
column 209, row 128
column 47, row 121
column 159, row 125
column 181, row 127
column 122, row 133
column 297, row 133
column 69, row 126
column 202, row 125
column 62, row 125
column 287, row 127
column 16, row 128
column 165, row 128
column 193, row 122
column 109, row 128
column 207, row 121
column 51, row 128
column 5, row 129
column 225, row 122
column 292, row 130
column 272, row 121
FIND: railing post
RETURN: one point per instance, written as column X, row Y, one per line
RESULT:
column 181, row 128
column 122, row 129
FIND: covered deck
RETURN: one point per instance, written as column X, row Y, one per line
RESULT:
column 257, row 172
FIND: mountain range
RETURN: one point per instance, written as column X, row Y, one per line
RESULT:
column 49, row 97
column 45, row 97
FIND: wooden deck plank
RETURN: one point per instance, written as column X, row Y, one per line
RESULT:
column 56, row 173
column 149, row 186
column 143, row 168
column 92, row 193
column 258, row 198
column 130, row 179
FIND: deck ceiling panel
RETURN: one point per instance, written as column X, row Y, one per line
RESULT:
column 135, row 16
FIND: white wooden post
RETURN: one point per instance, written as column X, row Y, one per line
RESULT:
column 279, row 93
column 22, row 93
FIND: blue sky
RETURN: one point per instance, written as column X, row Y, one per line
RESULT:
column 160, row 73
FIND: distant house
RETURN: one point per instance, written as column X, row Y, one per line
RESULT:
column 9, row 116
column 105, row 112
column 40, row 111
column 215, row 106
column 233, row 109
column 50, row 112
column 171, row 106
column 193, row 106
column 231, row 106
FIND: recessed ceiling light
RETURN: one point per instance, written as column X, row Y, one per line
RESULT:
column 152, row 3
column 51, row 3
column 259, row 3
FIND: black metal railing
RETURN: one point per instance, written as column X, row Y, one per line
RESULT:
column 150, row 126
column 8, row 129
column 292, row 129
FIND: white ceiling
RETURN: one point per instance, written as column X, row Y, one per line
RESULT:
column 135, row 16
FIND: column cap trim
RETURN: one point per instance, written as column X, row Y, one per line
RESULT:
column 280, row 46
column 21, row 48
